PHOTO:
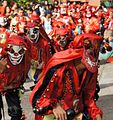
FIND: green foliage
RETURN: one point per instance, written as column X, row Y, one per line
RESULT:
column 22, row 3
column 107, row 3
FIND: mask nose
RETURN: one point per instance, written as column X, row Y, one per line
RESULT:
column 32, row 35
column 15, row 54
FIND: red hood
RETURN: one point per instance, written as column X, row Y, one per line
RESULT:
column 41, row 30
column 78, row 40
column 16, row 40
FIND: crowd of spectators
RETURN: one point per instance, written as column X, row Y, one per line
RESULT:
column 76, row 17
column 50, row 12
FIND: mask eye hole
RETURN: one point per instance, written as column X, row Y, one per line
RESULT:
column 21, row 51
column 11, row 50
column 35, row 30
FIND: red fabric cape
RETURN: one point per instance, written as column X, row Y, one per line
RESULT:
column 58, row 58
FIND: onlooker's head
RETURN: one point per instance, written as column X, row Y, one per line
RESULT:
column 4, row 3
column 20, row 12
column 108, row 34
column 29, row 12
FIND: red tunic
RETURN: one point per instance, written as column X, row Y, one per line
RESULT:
column 63, row 91
column 14, row 76
column 41, row 51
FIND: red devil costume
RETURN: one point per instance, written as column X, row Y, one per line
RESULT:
column 40, row 44
column 69, row 80
column 14, row 65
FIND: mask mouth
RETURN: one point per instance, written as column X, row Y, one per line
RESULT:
column 63, row 42
column 15, row 54
column 34, row 38
column 16, row 60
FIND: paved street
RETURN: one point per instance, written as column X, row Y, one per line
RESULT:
column 105, row 101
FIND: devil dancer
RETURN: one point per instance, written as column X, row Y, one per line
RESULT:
column 14, row 65
column 68, row 84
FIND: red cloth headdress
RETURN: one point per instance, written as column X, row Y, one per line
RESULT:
column 16, row 40
column 36, row 19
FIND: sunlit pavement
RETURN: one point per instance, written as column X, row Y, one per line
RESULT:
column 105, row 101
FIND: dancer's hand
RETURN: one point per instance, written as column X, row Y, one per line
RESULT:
column 60, row 113
column 3, row 65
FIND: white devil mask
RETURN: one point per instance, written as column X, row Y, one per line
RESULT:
column 16, row 53
column 33, row 34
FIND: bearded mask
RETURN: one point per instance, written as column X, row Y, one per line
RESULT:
column 91, row 53
column 91, row 45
